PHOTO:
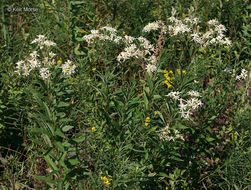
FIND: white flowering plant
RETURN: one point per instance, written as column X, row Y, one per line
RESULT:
column 43, row 60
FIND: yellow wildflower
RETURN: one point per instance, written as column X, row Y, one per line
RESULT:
column 167, row 83
column 59, row 61
column 106, row 180
column 93, row 129
column 168, row 72
column 183, row 71
column 50, row 10
column 107, row 183
column 147, row 119
column 82, row 31
column 168, row 78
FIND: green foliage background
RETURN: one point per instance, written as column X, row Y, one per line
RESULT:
column 70, row 132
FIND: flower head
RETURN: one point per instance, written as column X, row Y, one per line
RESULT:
column 194, row 93
column 243, row 75
column 68, row 68
column 151, row 68
column 44, row 73
column 174, row 95
column 106, row 180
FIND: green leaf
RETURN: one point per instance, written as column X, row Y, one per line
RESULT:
column 60, row 133
column 146, row 100
column 176, row 158
column 163, row 174
column 62, row 159
column 77, row 2
column 151, row 174
column 60, row 114
column 66, row 144
column 59, row 146
column 46, row 179
column 42, row 144
column 180, row 126
column 67, row 128
column 50, row 163
column 210, row 139
column 65, row 120
column 161, row 117
column 73, row 162
column 62, row 104
column 79, row 139
column 156, row 97
column 149, row 81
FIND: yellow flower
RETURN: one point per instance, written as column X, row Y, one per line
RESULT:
column 107, row 183
column 93, row 129
column 147, row 119
column 168, row 72
column 168, row 78
column 50, row 10
column 59, row 61
column 106, row 180
column 167, row 83
column 155, row 113
column 146, row 124
column 82, row 31
column 183, row 71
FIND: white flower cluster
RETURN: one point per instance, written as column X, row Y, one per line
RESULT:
column 44, row 73
column 194, row 93
column 174, row 95
column 68, row 68
column 42, row 41
column 33, row 62
column 157, row 25
column 243, row 75
column 137, row 48
column 128, row 39
column 177, row 26
column 216, row 35
column 213, row 36
column 109, row 29
column 143, row 50
column 151, row 68
column 187, row 107
column 104, row 34
column 168, row 134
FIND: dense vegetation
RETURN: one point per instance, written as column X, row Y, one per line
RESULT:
column 125, row 94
